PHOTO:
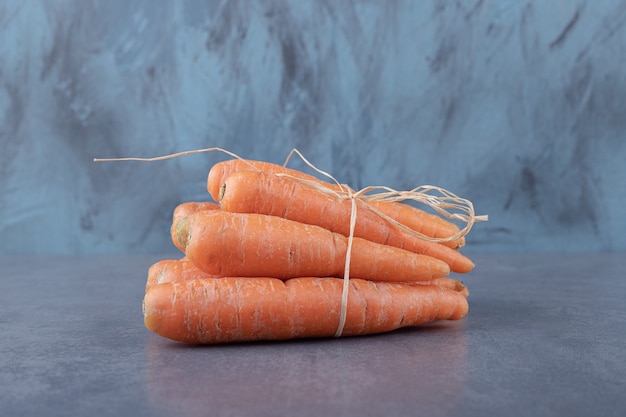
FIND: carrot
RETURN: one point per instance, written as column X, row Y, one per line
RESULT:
column 419, row 220
column 155, row 271
column 447, row 283
column 252, row 245
column 185, row 209
column 259, row 192
column 207, row 311
column 174, row 270
column 167, row 270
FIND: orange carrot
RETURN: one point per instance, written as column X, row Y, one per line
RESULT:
column 174, row 270
column 447, row 283
column 185, row 209
column 419, row 220
column 206, row 311
column 251, row 245
column 155, row 271
column 259, row 192
column 167, row 270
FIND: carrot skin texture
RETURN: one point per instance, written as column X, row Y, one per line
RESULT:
column 167, row 270
column 422, row 222
column 221, row 170
column 419, row 220
column 221, row 310
column 447, row 283
column 174, row 270
column 251, row 245
column 155, row 271
column 263, row 193
column 184, row 210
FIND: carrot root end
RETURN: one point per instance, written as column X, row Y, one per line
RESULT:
column 182, row 232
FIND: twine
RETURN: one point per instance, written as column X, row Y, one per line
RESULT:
column 440, row 200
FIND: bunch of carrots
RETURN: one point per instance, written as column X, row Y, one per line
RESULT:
column 282, row 254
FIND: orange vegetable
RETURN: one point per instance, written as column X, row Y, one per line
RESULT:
column 155, row 271
column 167, row 270
column 419, row 220
column 267, row 263
column 174, row 270
column 263, row 193
column 447, row 283
column 251, row 245
column 219, row 310
column 185, row 209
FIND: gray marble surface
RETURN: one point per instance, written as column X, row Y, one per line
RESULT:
column 517, row 105
column 545, row 336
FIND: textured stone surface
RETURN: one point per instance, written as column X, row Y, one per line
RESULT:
column 517, row 105
column 545, row 336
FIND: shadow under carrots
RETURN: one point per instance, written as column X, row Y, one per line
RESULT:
column 417, row 368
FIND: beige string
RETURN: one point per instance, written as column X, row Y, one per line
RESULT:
column 170, row 156
column 443, row 202
column 343, row 312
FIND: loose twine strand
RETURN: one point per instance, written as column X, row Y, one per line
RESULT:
column 440, row 200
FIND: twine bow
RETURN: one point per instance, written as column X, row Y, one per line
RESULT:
column 444, row 202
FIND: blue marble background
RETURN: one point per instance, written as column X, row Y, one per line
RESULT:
column 517, row 105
